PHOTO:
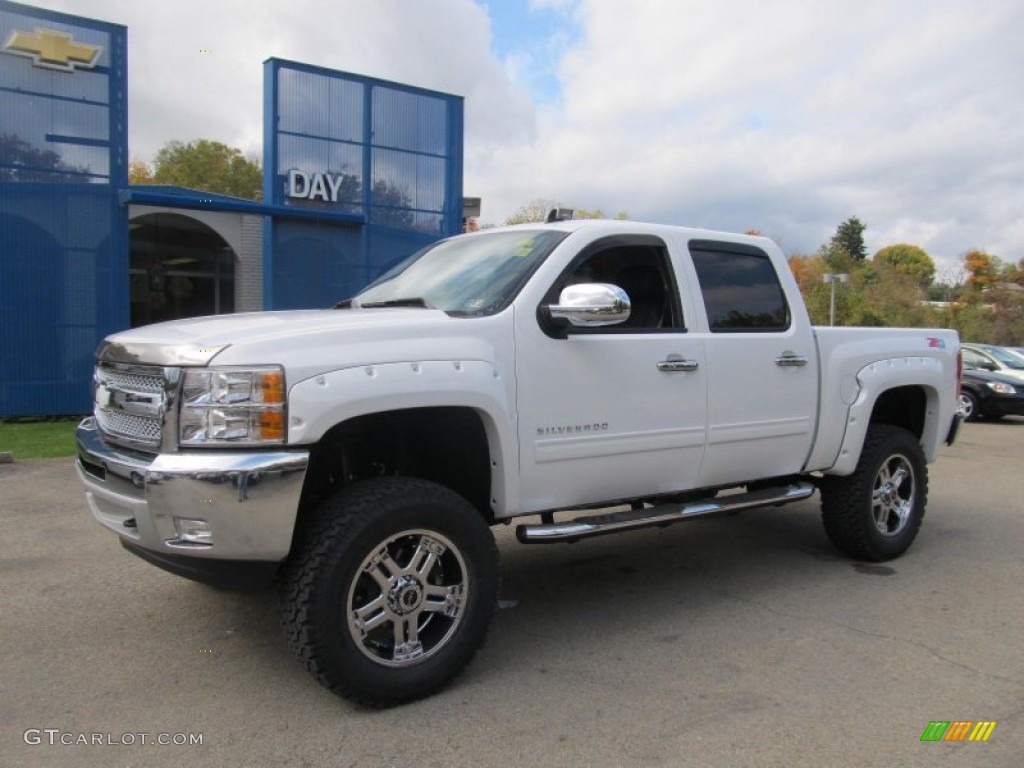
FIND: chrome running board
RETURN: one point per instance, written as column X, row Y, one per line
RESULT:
column 662, row 514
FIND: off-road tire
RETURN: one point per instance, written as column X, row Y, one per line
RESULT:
column 855, row 508
column 338, row 549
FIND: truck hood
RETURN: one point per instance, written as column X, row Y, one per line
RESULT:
column 306, row 341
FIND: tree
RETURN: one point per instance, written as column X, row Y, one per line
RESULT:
column 799, row 266
column 877, row 293
column 139, row 172
column 537, row 210
column 941, row 290
column 908, row 260
column 983, row 269
column 949, row 285
column 849, row 240
column 888, row 296
column 597, row 213
column 1014, row 273
column 534, row 211
column 809, row 272
column 211, row 166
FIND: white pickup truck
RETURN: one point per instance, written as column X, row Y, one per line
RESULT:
column 599, row 376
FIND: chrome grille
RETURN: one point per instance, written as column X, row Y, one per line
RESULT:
column 126, row 425
column 129, row 403
column 138, row 382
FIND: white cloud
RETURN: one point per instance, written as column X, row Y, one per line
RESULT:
column 787, row 118
column 176, row 92
column 790, row 118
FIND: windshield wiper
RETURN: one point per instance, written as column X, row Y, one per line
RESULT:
column 414, row 301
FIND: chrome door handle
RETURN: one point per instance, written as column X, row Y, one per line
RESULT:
column 789, row 360
column 668, row 366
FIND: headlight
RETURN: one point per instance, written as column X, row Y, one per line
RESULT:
column 232, row 405
column 1001, row 388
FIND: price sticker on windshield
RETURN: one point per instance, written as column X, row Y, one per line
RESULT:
column 525, row 248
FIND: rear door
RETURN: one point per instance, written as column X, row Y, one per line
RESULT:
column 761, row 365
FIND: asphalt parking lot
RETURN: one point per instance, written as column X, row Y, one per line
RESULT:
column 731, row 641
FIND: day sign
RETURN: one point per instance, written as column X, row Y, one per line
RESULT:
column 314, row 186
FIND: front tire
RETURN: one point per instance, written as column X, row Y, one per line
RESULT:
column 390, row 590
column 875, row 513
column 969, row 407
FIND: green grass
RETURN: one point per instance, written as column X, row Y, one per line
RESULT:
column 39, row 439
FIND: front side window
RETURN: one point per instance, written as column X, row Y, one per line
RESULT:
column 741, row 291
column 972, row 359
column 637, row 264
column 470, row 276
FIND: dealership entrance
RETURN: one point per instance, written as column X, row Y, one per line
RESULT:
column 179, row 267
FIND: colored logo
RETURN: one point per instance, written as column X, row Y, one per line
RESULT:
column 53, row 50
column 958, row 730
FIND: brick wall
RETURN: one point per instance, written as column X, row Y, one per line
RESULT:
column 249, row 270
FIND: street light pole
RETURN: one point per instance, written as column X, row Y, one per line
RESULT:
column 832, row 280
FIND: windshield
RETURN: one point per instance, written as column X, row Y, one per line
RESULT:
column 473, row 275
column 1007, row 358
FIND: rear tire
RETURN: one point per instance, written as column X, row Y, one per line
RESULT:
column 390, row 590
column 875, row 513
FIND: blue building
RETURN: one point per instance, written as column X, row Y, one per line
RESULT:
column 358, row 173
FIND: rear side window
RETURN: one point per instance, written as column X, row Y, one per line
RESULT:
column 741, row 291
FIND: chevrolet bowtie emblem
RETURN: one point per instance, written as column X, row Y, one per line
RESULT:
column 53, row 50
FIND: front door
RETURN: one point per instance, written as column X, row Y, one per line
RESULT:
column 614, row 412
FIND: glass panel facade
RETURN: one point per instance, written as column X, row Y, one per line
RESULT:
column 317, row 264
column 388, row 153
column 314, row 105
column 63, row 235
column 358, row 174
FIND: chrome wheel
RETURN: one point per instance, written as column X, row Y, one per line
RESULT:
column 892, row 498
column 875, row 513
column 967, row 405
column 408, row 598
column 390, row 589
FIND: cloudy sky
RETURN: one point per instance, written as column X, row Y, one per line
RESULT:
column 735, row 114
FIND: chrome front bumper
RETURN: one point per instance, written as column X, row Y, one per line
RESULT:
column 248, row 500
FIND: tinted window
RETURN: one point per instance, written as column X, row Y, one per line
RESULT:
column 637, row 264
column 740, row 288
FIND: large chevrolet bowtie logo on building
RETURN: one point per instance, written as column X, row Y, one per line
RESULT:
column 53, row 50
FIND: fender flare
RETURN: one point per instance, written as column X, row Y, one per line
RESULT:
column 321, row 402
column 881, row 376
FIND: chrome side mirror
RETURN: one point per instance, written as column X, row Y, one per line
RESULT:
column 590, row 305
